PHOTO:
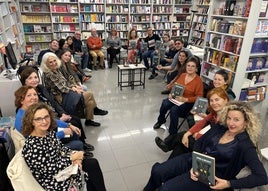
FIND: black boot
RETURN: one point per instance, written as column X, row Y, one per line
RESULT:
column 168, row 141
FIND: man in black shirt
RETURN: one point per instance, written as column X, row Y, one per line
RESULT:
column 150, row 40
column 53, row 47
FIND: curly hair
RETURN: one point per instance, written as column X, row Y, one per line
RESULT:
column 27, row 123
column 21, row 93
column 253, row 127
column 218, row 91
column 45, row 58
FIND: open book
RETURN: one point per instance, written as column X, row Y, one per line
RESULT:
column 200, row 105
column 205, row 166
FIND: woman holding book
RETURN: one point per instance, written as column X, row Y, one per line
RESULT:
column 184, row 141
column 221, row 79
column 193, row 87
column 133, row 45
column 233, row 145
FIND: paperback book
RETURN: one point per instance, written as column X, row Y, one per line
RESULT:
column 205, row 166
column 177, row 90
column 200, row 105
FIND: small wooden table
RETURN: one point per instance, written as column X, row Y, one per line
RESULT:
column 131, row 76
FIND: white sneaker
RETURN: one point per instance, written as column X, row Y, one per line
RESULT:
column 87, row 70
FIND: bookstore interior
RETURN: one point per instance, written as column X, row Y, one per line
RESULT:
column 232, row 34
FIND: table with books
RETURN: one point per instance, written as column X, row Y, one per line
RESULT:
column 131, row 75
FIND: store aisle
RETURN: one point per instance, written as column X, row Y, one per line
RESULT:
column 124, row 143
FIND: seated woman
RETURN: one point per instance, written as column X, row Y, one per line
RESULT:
column 29, row 76
column 65, row 90
column 133, row 51
column 221, row 79
column 193, row 87
column 113, row 44
column 233, row 145
column 26, row 96
column 184, row 141
column 43, row 151
column 63, row 44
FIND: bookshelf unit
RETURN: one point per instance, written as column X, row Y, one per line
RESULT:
column 92, row 15
column 141, row 16
column 229, row 41
column 65, row 18
column 162, row 16
column 11, row 27
column 180, row 26
column 36, row 23
column 117, row 16
column 199, row 24
column 257, row 66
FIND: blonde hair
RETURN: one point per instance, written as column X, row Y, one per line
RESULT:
column 253, row 126
column 45, row 58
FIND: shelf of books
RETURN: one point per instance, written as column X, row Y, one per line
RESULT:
column 117, row 17
column 11, row 27
column 92, row 16
column 36, row 23
column 162, row 16
column 141, row 16
column 225, row 38
column 257, row 67
column 181, row 19
column 65, row 18
column 199, row 23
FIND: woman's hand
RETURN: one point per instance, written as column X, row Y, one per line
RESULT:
column 185, row 139
column 78, row 162
column 75, row 129
column 77, row 155
column 193, row 175
column 65, row 117
column 68, row 131
column 220, row 184
column 181, row 99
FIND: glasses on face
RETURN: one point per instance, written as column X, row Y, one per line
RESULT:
column 40, row 119
column 177, row 43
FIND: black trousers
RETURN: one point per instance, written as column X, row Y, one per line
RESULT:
column 113, row 52
column 95, row 180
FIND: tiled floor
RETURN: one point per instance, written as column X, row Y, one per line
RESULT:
column 124, row 144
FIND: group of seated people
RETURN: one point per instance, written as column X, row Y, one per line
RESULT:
column 52, row 111
column 229, row 131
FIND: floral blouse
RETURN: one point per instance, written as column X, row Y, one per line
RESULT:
column 46, row 156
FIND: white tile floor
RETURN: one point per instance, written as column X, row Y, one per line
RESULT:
column 124, row 144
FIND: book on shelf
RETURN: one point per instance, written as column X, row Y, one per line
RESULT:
column 264, row 9
column 205, row 166
column 200, row 105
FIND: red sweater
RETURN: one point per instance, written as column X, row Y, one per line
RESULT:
column 94, row 41
column 193, row 89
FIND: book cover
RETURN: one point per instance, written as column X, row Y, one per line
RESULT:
column 205, row 166
column 200, row 105
column 177, row 90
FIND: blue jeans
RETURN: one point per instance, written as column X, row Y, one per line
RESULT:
column 174, row 175
column 85, row 60
column 145, row 55
column 75, row 143
column 175, row 112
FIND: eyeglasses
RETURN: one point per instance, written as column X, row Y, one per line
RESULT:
column 40, row 119
column 177, row 43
